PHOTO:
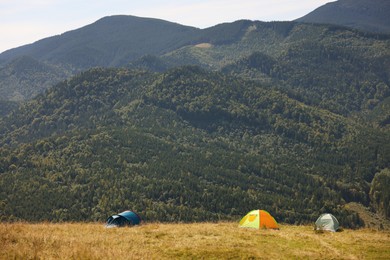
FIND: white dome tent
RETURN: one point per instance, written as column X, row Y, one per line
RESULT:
column 327, row 222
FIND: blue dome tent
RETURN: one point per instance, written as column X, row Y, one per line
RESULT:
column 125, row 218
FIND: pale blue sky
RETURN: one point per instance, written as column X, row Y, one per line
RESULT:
column 26, row 21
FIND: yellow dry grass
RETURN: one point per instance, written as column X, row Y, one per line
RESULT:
column 186, row 241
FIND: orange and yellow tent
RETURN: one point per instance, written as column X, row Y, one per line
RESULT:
column 258, row 219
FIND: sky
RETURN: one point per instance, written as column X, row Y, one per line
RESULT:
column 26, row 21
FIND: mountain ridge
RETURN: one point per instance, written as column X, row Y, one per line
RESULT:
column 93, row 38
column 366, row 15
column 120, row 39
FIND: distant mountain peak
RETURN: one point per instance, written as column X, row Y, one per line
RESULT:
column 366, row 15
column 110, row 41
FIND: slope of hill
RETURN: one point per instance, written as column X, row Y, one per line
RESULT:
column 274, row 116
column 110, row 41
column 366, row 15
column 334, row 68
column 185, row 145
column 6, row 107
column 298, row 48
column 26, row 77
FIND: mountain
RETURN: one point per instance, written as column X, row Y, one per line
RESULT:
column 195, row 125
column 314, row 63
column 110, row 41
column 183, row 145
column 120, row 40
column 325, row 48
column 366, row 15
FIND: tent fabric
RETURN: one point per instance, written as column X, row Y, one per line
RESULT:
column 258, row 219
column 125, row 218
column 327, row 222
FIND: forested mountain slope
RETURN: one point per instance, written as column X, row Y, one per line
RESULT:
column 297, row 48
column 366, row 15
column 26, row 77
column 184, row 145
column 195, row 124
column 337, row 69
column 110, row 41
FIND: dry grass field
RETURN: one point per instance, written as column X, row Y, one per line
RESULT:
column 186, row 241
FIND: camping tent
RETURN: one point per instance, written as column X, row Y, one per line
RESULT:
column 125, row 218
column 327, row 222
column 258, row 219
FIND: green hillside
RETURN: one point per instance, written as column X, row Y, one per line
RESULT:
column 6, row 107
column 330, row 67
column 184, row 145
column 319, row 58
column 25, row 77
column 196, row 125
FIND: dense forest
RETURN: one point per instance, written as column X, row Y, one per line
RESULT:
column 184, row 145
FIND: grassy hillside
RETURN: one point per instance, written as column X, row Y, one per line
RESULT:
column 187, row 241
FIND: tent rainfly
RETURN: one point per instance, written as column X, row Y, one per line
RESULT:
column 327, row 222
column 125, row 218
column 258, row 219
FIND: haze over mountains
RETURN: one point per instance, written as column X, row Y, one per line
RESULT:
column 187, row 124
